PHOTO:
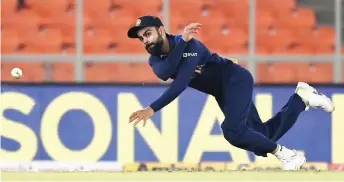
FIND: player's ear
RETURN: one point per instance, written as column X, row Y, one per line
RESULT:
column 161, row 31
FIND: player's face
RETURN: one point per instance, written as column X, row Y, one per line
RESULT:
column 152, row 40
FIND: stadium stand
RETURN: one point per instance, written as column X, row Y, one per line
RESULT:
column 49, row 27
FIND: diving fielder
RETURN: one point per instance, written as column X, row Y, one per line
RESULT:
column 189, row 62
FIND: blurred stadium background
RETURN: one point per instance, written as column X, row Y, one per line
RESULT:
column 66, row 40
column 58, row 43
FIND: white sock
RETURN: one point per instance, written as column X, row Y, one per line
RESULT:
column 279, row 147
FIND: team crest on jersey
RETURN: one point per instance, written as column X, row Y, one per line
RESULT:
column 234, row 60
column 138, row 22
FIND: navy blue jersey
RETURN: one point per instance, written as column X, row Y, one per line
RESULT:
column 189, row 64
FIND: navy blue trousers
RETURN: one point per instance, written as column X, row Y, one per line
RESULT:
column 242, row 126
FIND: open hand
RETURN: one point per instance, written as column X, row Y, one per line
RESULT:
column 141, row 115
column 190, row 31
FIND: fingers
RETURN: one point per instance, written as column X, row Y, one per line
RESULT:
column 195, row 24
column 133, row 117
column 138, row 120
column 194, row 31
column 138, row 116
column 144, row 122
column 193, row 28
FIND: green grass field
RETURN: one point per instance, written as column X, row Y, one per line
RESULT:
column 175, row 176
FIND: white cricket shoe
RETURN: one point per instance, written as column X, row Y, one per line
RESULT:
column 291, row 159
column 314, row 99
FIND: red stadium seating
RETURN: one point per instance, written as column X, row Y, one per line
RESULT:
column 124, row 72
column 49, row 27
column 286, row 72
column 63, row 72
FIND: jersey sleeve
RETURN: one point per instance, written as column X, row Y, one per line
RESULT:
column 182, row 79
column 165, row 68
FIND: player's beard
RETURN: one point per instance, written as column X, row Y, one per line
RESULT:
column 155, row 49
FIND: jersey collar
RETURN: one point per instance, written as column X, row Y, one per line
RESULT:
column 171, row 43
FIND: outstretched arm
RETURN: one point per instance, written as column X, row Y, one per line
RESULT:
column 185, row 71
column 176, row 88
column 181, row 82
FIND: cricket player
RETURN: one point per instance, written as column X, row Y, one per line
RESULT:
column 189, row 62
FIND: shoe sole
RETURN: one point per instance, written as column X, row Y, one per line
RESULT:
column 331, row 103
column 306, row 86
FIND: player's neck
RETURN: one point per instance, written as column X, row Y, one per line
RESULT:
column 165, row 47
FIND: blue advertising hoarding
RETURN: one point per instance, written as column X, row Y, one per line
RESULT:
column 90, row 123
